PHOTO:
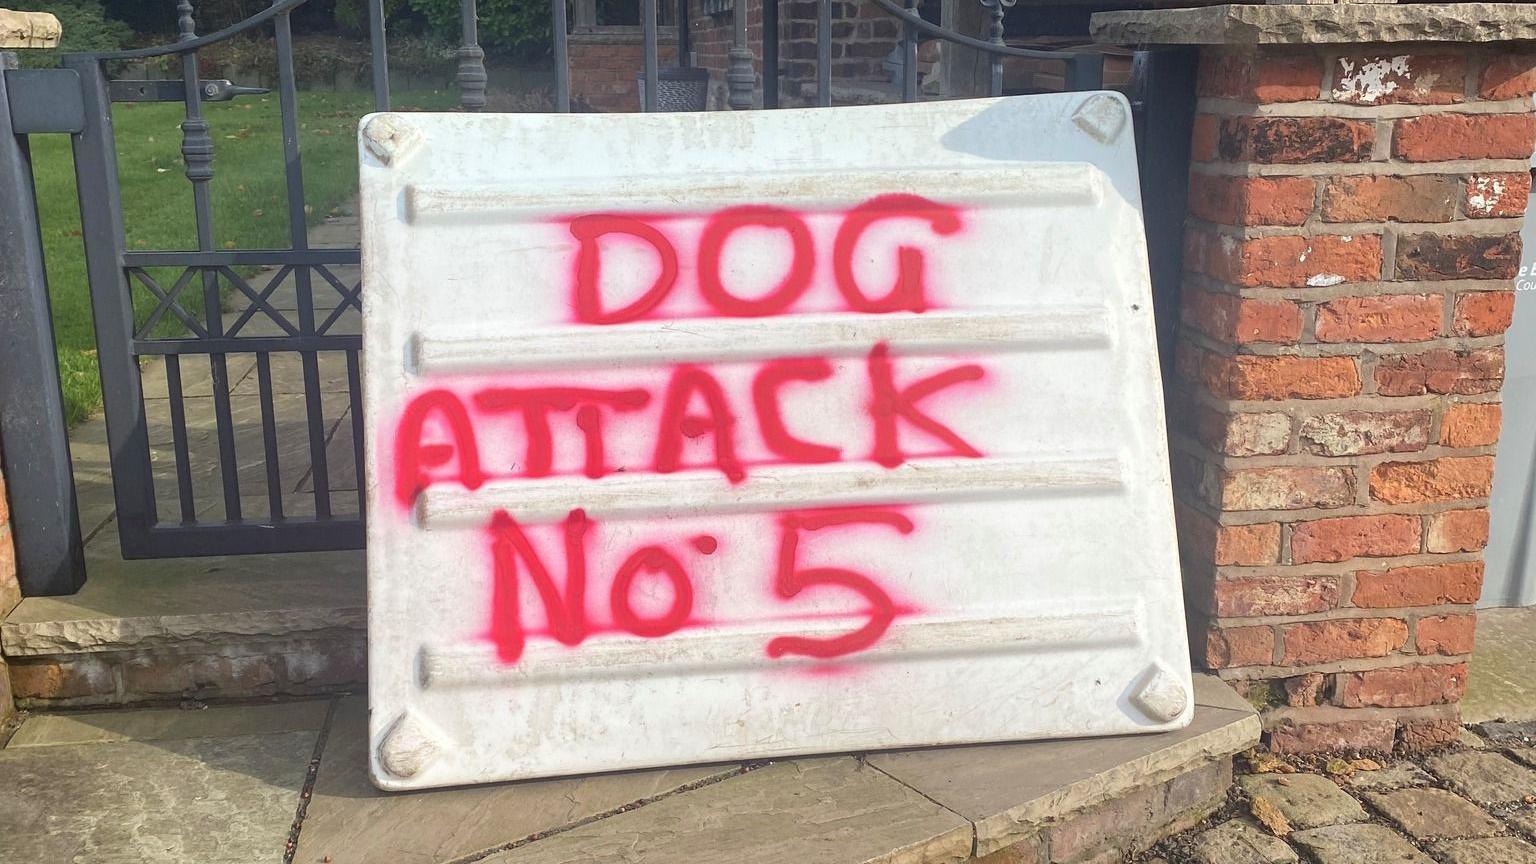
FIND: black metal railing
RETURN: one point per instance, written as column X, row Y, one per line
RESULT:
column 1084, row 67
column 307, row 333
column 211, row 512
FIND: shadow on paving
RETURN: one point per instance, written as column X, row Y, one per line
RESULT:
column 1501, row 679
column 216, row 786
column 228, row 784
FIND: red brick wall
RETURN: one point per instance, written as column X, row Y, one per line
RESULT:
column 1349, row 260
column 710, row 38
column 862, row 37
column 604, row 65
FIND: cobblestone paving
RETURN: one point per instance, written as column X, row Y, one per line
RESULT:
column 1472, row 804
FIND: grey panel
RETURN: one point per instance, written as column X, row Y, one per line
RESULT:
column 1511, row 564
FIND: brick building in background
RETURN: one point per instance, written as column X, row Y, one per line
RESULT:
column 605, row 58
column 1353, row 236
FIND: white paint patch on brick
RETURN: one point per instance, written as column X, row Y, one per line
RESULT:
column 1324, row 280
column 1484, row 195
column 1372, row 81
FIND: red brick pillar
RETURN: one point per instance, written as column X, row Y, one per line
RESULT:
column 1353, row 234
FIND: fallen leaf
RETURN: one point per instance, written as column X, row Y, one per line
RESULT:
column 1269, row 815
column 1263, row 763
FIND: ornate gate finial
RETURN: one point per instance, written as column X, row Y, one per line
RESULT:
column 186, row 28
column 471, row 75
column 995, row 36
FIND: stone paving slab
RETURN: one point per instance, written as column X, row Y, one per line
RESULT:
column 1501, row 680
column 1526, row 755
column 224, row 784
column 1362, row 843
column 290, row 429
column 1390, row 777
column 1518, row 739
column 348, row 821
column 1484, row 776
column 1413, row 818
column 169, row 724
column 1523, row 821
column 1509, row 734
column 1008, row 789
column 1211, row 692
column 1239, row 842
column 803, row 811
column 227, row 800
column 128, row 604
column 1489, row 850
column 288, row 375
column 1429, row 814
column 1306, row 800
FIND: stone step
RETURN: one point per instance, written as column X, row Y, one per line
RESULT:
column 1068, row 801
column 1051, row 801
column 282, row 771
column 190, row 628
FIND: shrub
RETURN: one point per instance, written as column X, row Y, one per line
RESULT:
column 351, row 16
column 86, row 28
column 320, row 58
column 519, row 26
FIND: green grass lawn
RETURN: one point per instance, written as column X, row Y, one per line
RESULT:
column 250, row 209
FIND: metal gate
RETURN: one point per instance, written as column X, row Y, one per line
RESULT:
column 225, row 487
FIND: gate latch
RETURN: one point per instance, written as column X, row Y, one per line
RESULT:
column 172, row 90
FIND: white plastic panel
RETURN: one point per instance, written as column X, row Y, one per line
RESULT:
column 704, row 437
